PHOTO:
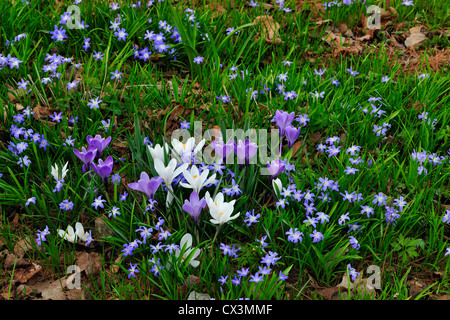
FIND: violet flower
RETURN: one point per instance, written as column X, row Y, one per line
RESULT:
column 147, row 185
column 245, row 151
column 291, row 135
column 104, row 168
column 99, row 143
column 222, row 149
column 86, row 156
column 275, row 167
column 194, row 206
column 283, row 120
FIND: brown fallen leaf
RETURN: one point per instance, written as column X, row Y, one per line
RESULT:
column 88, row 262
column 74, row 294
column 102, row 228
column 268, row 28
column 25, row 290
column 366, row 37
column 12, row 260
column 343, row 28
column 296, row 149
column 388, row 15
column 321, row 22
column 22, row 246
column 22, row 275
column 216, row 8
column 348, row 50
column 14, row 94
column 115, row 267
column 192, row 280
column 15, row 222
column 329, row 293
column 445, row 297
column 334, row 39
column 41, row 112
column 416, row 38
column 267, row 6
column 53, row 290
column 19, row 107
column 415, row 287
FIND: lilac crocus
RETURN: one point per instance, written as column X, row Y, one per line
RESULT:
column 146, row 185
column 275, row 167
column 194, row 206
column 99, row 143
column 104, row 168
column 291, row 135
column 86, row 156
column 283, row 120
column 245, row 151
column 222, row 149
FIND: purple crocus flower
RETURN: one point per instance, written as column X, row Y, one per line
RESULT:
column 283, row 120
column 275, row 167
column 194, row 206
column 245, row 151
column 222, row 149
column 291, row 135
column 86, row 156
column 147, row 185
column 99, row 143
column 104, row 168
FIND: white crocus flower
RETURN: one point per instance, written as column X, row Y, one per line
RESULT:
column 219, row 209
column 158, row 152
column 58, row 173
column 79, row 231
column 186, row 245
column 168, row 174
column 183, row 151
column 68, row 235
column 197, row 181
column 277, row 186
column 74, row 235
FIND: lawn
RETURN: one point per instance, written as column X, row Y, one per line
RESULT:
column 167, row 150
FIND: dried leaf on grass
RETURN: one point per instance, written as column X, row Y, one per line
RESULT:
column 297, row 150
column 216, row 8
column 88, row 262
column 415, row 287
column 267, row 6
column 14, row 94
column 348, row 50
column 52, row 290
column 116, row 266
column 16, row 259
column 268, row 28
column 330, row 293
column 41, row 112
column 102, row 228
column 22, row 275
column 416, row 38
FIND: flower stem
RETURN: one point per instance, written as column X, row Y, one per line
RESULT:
column 217, row 232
